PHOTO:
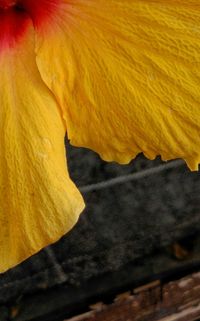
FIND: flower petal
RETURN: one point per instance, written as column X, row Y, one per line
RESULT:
column 126, row 74
column 38, row 200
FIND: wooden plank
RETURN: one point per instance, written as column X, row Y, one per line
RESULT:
column 175, row 301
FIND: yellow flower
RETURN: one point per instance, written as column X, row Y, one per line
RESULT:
column 120, row 76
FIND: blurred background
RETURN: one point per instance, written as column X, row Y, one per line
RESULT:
column 141, row 227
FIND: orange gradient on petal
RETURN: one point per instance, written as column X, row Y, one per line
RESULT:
column 16, row 16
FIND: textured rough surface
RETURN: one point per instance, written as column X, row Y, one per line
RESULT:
column 38, row 201
column 120, row 77
column 174, row 301
column 126, row 76
column 120, row 225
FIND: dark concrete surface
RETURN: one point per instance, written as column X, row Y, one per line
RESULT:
column 120, row 225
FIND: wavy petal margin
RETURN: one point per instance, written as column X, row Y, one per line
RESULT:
column 38, row 201
column 126, row 74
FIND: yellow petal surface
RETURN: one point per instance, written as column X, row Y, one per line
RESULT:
column 38, row 201
column 126, row 74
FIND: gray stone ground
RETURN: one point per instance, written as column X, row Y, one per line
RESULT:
column 119, row 225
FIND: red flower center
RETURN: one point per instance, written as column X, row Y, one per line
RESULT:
column 16, row 16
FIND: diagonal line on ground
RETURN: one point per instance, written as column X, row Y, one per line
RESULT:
column 131, row 177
